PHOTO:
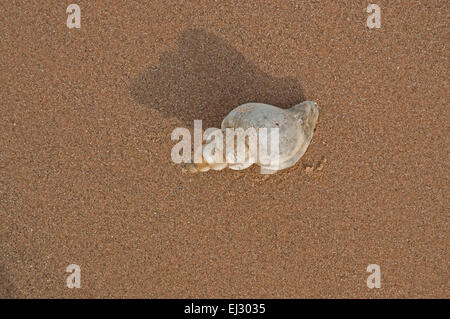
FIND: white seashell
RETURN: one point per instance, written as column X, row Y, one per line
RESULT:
column 295, row 127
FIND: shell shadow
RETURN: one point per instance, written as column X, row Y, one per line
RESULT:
column 205, row 79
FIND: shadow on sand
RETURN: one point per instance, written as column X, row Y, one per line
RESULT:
column 205, row 79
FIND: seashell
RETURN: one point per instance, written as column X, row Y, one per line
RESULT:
column 295, row 130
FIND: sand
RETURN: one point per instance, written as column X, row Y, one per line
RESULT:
column 86, row 175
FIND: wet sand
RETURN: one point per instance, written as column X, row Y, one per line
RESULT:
column 86, row 175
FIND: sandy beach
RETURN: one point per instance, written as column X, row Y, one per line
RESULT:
column 86, row 175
